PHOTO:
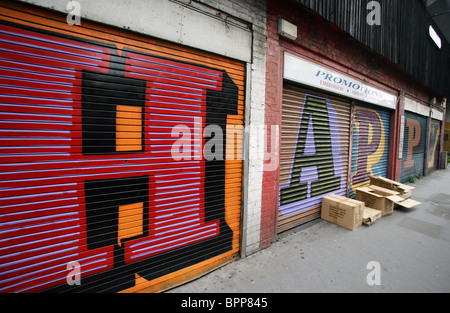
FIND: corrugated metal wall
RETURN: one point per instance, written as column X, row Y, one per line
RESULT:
column 88, row 172
column 315, row 135
column 402, row 36
column 370, row 149
column 414, row 147
column 434, row 146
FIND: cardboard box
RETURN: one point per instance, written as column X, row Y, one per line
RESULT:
column 342, row 211
column 397, row 199
column 370, row 216
column 382, row 199
column 404, row 191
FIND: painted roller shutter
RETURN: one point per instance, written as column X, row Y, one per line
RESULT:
column 102, row 170
column 414, row 147
column 314, row 153
column 370, row 148
column 434, row 146
column 446, row 146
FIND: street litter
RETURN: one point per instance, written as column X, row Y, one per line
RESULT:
column 372, row 202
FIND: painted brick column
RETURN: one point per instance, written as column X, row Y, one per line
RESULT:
column 274, row 87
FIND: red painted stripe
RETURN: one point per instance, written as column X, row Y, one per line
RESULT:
column 87, row 260
column 38, row 142
column 26, row 76
column 30, row 256
column 21, row 124
column 19, row 84
column 12, row 231
column 172, row 92
column 87, row 171
column 52, row 64
column 20, row 66
column 159, row 245
column 99, row 175
column 35, row 93
column 29, row 214
column 49, row 57
column 159, row 66
column 60, row 40
column 36, row 101
column 37, row 110
column 167, row 62
column 43, row 45
column 152, row 77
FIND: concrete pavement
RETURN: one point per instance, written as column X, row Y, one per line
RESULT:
column 411, row 247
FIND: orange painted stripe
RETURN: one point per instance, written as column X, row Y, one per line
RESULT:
column 179, row 277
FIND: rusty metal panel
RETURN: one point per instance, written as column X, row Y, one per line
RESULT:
column 434, row 146
column 370, row 148
column 88, row 171
column 414, row 147
column 315, row 134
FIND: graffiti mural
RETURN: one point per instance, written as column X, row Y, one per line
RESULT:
column 414, row 147
column 87, row 173
column 433, row 152
column 447, row 137
column 370, row 146
column 316, row 168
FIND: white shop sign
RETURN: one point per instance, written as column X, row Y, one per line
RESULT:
column 311, row 74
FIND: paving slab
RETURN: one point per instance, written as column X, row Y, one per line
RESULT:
column 408, row 252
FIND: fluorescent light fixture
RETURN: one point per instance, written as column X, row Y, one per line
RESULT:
column 435, row 37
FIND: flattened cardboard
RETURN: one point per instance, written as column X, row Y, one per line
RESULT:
column 404, row 191
column 370, row 216
column 408, row 203
column 395, row 199
column 399, row 201
column 342, row 211
column 384, row 191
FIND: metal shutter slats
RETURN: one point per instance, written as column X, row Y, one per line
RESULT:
column 434, row 148
column 314, row 153
column 370, row 153
column 414, row 147
column 87, row 172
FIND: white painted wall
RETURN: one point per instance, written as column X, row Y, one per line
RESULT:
column 255, row 11
column 192, row 25
column 416, row 107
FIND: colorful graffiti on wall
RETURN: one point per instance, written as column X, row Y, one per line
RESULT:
column 433, row 152
column 87, row 173
column 370, row 146
column 316, row 168
column 414, row 147
column 447, row 138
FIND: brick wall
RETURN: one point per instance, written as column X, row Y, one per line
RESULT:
column 323, row 42
column 269, row 205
